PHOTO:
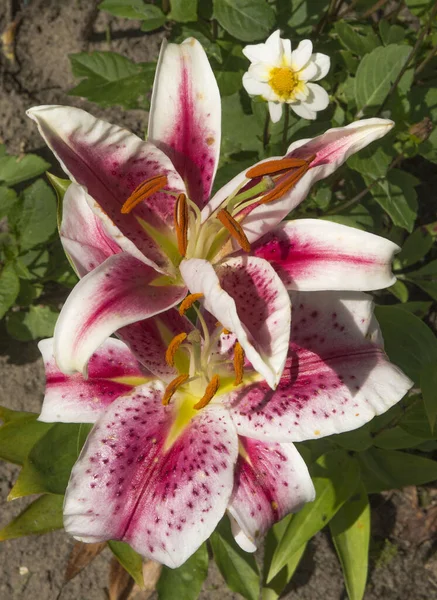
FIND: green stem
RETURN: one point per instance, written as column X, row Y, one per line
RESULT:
column 285, row 130
column 266, row 131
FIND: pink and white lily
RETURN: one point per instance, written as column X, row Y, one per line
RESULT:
column 155, row 236
column 166, row 460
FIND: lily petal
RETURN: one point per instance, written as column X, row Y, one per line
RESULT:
column 332, row 149
column 112, row 372
column 129, row 484
column 185, row 115
column 312, row 254
column 118, row 292
column 271, row 481
column 149, row 339
column 248, row 298
column 335, row 379
column 109, row 162
column 82, row 233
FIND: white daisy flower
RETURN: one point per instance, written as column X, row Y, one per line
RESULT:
column 281, row 76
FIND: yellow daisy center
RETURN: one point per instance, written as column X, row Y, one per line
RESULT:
column 283, row 81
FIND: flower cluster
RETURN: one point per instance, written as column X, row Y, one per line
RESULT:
column 193, row 421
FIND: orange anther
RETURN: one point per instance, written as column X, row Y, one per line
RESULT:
column 172, row 387
column 210, row 392
column 271, row 167
column 285, row 185
column 173, row 348
column 226, row 331
column 144, row 190
column 238, row 363
column 188, row 302
column 181, row 223
column 234, row 228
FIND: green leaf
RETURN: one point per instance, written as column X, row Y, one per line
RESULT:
column 359, row 40
column 36, row 262
column 183, row 11
column 240, row 131
column 428, row 270
column 36, row 323
column 415, row 420
column 409, row 343
column 420, row 309
column 238, row 568
column 132, row 9
column 335, row 479
column 390, row 469
column 246, row 20
column 186, row 581
column 129, row 559
column 42, row 516
column 415, row 247
column 430, row 287
column 48, row 466
column 110, row 78
column 230, row 69
column 370, row 161
column 428, row 385
column 18, row 436
column 376, row 72
column 273, row 589
column 391, row 34
column 8, row 198
column 397, row 196
column 396, row 438
column 38, row 216
column 304, row 15
column 60, row 186
column 350, row 530
column 357, row 440
column 15, row 169
column 9, row 288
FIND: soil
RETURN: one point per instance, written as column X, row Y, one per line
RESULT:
column 402, row 565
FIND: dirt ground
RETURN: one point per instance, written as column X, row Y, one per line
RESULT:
column 403, row 567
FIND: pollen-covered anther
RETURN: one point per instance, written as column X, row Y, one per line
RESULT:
column 210, row 392
column 146, row 189
column 172, row 387
column 286, row 181
column 188, row 302
column 234, row 228
column 181, row 223
column 238, row 363
column 274, row 167
column 173, row 348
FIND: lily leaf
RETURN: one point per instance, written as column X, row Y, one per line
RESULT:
column 186, row 581
column 129, row 559
column 42, row 516
column 19, row 434
column 246, row 20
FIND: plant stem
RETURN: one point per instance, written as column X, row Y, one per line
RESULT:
column 374, row 8
column 425, row 31
column 426, row 60
column 285, row 129
column 266, row 131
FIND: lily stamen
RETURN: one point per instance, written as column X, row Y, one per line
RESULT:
column 173, row 348
column 181, row 223
column 188, row 302
column 210, row 392
column 172, row 387
column 146, row 189
column 284, row 185
column 274, row 167
column 234, row 228
column 238, row 363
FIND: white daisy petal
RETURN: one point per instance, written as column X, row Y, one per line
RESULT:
column 286, row 52
column 323, row 63
column 274, row 48
column 254, row 87
column 275, row 110
column 260, row 71
column 318, row 98
column 302, row 94
column 255, row 52
column 303, row 111
column 301, row 55
column 310, row 71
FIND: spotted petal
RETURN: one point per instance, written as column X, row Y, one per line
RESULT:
column 117, row 293
column 331, row 150
column 149, row 339
column 248, row 298
column 112, row 372
column 336, row 377
column 312, row 254
column 185, row 115
column 271, row 481
column 83, row 234
column 133, row 483
column 109, row 162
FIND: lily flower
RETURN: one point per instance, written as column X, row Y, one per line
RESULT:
column 155, row 236
column 167, row 458
column 282, row 76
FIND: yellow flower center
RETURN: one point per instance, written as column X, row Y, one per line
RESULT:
column 283, row 81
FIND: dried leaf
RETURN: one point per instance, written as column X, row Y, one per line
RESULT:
column 80, row 557
column 120, row 582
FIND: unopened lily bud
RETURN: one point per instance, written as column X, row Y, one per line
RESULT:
column 422, row 130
